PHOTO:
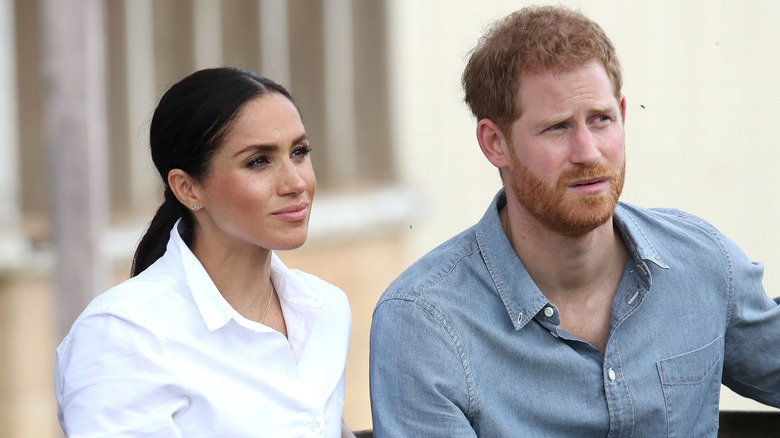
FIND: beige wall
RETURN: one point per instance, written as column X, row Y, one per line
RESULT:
column 704, row 142
column 706, row 76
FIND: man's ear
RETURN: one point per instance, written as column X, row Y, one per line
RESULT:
column 493, row 143
column 623, row 108
column 184, row 188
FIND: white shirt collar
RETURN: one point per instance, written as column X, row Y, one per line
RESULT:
column 297, row 298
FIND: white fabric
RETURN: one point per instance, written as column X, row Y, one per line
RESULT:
column 164, row 355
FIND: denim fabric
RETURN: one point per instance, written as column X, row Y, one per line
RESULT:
column 464, row 343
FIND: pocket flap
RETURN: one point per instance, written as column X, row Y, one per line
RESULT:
column 691, row 367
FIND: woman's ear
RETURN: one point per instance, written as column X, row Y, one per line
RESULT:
column 493, row 143
column 184, row 188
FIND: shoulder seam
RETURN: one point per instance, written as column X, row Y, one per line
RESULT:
column 454, row 336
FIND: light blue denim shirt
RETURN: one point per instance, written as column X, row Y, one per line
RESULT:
column 465, row 344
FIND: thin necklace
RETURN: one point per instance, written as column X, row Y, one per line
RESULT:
column 268, row 304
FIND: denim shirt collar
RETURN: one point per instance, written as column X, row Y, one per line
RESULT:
column 519, row 293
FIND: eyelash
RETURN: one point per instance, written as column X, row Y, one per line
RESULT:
column 302, row 151
column 263, row 160
column 555, row 127
column 258, row 161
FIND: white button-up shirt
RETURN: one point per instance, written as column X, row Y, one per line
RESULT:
column 164, row 355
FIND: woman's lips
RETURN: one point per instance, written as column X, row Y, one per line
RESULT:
column 293, row 213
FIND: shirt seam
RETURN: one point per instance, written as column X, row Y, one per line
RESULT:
column 626, row 215
column 418, row 289
column 465, row 362
column 755, row 393
column 714, row 235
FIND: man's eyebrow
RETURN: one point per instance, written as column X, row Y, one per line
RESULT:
column 560, row 118
column 551, row 121
column 604, row 109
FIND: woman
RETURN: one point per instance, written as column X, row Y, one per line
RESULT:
column 213, row 335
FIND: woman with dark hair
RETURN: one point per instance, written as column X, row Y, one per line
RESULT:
column 213, row 335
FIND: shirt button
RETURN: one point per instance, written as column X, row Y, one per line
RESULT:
column 611, row 375
column 520, row 318
column 549, row 312
column 315, row 426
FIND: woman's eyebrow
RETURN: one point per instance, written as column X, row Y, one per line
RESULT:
column 269, row 147
column 258, row 147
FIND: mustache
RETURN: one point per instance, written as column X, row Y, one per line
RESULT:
column 599, row 170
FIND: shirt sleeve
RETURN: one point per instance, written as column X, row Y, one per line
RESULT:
column 419, row 384
column 111, row 379
column 752, row 349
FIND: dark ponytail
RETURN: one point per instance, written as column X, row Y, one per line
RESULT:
column 152, row 245
column 188, row 127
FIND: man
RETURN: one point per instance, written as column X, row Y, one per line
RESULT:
column 564, row 312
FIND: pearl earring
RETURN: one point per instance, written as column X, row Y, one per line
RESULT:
column 196, row 207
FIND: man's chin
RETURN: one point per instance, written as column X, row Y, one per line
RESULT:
column 583, row 219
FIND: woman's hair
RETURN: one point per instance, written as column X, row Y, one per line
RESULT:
column 532, row 40
column 187, row 128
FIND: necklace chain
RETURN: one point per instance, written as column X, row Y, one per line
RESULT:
column 268, row 304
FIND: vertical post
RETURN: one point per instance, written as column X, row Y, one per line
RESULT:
column 9, row 206
column 208, row 34
column 340, row 91
column 76, row 137
column 275, row 41
column 9, row 138
column 141, row 97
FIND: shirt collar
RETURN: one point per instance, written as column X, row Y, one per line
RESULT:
column 214, row 309
column 638, row 241
column 521, row 296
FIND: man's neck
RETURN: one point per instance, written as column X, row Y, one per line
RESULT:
column 579, row 275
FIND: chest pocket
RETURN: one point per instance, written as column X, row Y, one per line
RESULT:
column 691, row 386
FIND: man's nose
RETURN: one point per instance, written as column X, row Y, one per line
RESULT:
column 584, row 148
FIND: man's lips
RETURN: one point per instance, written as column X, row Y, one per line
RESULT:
column 293, row 213
column 589, row 181
column 590, row 185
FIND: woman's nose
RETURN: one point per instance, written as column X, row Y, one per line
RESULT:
column 291, row 181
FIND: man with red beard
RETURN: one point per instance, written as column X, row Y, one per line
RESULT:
column 564, row 312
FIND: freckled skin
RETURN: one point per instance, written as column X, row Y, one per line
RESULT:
column 567, row 150
column 262, row 168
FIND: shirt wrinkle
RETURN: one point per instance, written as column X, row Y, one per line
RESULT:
column 715, row 236
column 184, row 362
column 455, row 337
column 703, row 287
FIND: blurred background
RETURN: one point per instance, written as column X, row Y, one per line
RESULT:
column 398, row 166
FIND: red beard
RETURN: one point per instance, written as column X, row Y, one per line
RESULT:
column 560, row 210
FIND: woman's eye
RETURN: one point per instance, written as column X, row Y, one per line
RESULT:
column 257, row 161
column 301, row 151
